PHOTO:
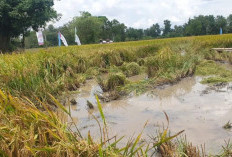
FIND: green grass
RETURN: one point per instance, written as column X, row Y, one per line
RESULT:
column 131, row 69
column 216, row 73
column 112, row 81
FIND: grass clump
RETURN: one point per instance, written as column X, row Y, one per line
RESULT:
column 106, row 58
column 185, row 148
column 206, row 68
column 146, row 51
column 138, row 87
column 72, row 84
column 113, row 81
column 92, row 72
column 215, row 80
column 217, row 73
column 170, row 65
column 141, row 61
column 226, row 150
column 116, row 80
column 114, row 69
column 219, row 56
column 131, row 69
column 81, row 66
column 228, row 125
column 126, row 55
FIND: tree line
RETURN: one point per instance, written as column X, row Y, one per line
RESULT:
column 91, row 29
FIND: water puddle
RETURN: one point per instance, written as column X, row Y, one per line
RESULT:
column 202, row 115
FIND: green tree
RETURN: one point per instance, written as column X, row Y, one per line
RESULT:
column 193, row 27
column 229, row 23
column 201, row 25
column 118, row 30
column 167, row 27
column 51, row 37
column 154, row 31
column 31, row 40
column 19, row 16
column 210, row 25
column 68, row 33
column 221, row 23
column 134, row 34
column 106, row 28
column 88, row 28
column 178, row 31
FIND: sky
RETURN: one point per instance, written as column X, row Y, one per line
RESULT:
column 143, row 13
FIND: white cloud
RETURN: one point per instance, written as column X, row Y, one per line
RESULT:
column 143, row 13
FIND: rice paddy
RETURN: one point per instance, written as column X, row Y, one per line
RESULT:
column 29, row 123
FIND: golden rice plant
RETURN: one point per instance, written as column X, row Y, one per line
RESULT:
column 33, row 72
column 28, row 131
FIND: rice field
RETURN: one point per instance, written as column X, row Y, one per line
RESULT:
column 33, row 83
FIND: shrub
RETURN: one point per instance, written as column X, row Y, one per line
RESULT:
column 145, row 51
column 167, row 62
column 114, row 80
column 81, row 65
column 91, row 72
column 132, row 69
column 141, row 61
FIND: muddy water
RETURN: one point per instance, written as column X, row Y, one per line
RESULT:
column 199, row 110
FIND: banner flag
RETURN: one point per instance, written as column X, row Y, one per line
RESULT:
column 40, row 38
column 221, row 31
column 77, row 40
column 62, row 38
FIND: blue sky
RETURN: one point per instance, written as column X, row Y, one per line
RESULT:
column 143, row 13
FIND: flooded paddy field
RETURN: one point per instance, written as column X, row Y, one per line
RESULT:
column 34, row 87
column 200, row 110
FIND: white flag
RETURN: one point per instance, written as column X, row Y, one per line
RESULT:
column 40, row 38
column 77, row 40
column 63, row 40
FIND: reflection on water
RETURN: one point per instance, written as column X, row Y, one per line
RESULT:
column 201, row 116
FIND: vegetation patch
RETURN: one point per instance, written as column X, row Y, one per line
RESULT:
column 114, row 69
column 217, row 73
column 141, row 61
column 188, row 149
column 138, row 87
column 81, row 66
column 52, row 70
column 147, row 51
column 131, row 69
column 169, row 64
column 28, row 131
column 228, row 125
column 92, row 72
column 113, row 81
